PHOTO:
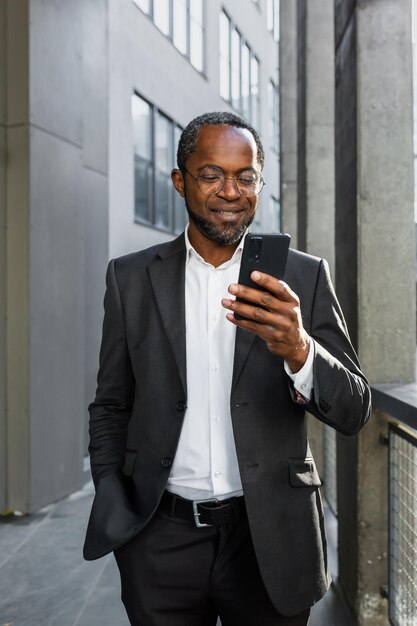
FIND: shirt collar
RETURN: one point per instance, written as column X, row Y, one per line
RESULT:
column 191, row 252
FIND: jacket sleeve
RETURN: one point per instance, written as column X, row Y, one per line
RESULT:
column 341, row 394
column 111, row 410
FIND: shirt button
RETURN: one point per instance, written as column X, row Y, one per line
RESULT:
column 166, row 462
column 217, row 474
column 303, row 386
column 214, row 368
column 217, row 418
column 181, row 405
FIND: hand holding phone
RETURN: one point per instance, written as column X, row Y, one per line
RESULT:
column 265, row 253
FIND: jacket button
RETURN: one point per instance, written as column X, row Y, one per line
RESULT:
column 166, row 462
column 181, row 405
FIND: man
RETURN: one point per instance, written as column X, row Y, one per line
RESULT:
column 194, row 405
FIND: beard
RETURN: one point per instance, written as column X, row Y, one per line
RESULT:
column 224, row 234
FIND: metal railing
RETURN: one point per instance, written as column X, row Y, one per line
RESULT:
column 402, row 589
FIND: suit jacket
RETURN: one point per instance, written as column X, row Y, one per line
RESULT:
column 136, row 417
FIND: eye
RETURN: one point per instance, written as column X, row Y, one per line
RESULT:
column 247, row 178
column 209, row 178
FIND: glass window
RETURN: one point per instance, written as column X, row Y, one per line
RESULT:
column 273, row 106
column 180, row 212
column 272, row 17
column 183, row 22
column 163, row 161
column 144, row 5
column 180, row 26
column 224, row 56
column 246, row 81
column 161, row 15
column 235, row 57
column 143, row 163
column 155, row 140
column 274, row 215
column 254, row 90
column 239, row 71
column 196, row 34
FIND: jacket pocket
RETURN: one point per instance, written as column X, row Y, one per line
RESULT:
column 303, row 473
column 129, row 464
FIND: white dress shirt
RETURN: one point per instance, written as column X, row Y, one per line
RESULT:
column 205, row 464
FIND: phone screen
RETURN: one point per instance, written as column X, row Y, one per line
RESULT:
column 263, row 252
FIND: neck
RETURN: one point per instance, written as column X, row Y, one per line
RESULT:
column 212, row 252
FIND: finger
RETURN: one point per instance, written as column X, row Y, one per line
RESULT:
column 267, row 299
column 277, row 287
column 268, row 333
column 256, row 297
column 275, row 321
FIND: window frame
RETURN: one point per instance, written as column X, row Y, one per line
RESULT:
column 173, row 225
column 188, row 26
column 253, row 111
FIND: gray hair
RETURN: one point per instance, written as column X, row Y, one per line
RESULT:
column 189, row 136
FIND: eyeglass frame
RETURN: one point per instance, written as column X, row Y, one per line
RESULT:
column 235, row 179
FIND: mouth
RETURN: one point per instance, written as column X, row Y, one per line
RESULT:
column 228, row 215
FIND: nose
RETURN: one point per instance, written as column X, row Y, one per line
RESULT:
column 230, row 190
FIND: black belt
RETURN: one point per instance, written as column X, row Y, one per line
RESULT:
column 210, row 512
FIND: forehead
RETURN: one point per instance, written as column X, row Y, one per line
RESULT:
column 226, row 146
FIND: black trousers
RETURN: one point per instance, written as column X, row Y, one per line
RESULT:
column 175, row 574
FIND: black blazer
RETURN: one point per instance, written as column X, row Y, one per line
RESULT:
column 136, row 417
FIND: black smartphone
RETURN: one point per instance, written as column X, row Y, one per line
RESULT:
column 265, row 253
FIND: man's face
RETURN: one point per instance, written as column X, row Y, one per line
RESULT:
column 222, row 217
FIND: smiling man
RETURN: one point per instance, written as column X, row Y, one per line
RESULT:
column 207, row 491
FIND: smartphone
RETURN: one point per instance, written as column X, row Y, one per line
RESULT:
column 265, row 253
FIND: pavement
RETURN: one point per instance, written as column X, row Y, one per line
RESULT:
column 44, row 580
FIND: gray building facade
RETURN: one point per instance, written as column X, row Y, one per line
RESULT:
column 93, row 94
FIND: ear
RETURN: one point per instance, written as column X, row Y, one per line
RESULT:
column 178, row 181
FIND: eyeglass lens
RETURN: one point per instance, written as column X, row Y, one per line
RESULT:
column 212, row 181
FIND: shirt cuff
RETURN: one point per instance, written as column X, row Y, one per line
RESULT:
column 303, row 379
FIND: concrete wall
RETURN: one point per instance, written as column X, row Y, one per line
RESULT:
column 359, row 213
column 142, row 59
column 57, row 238
column 375, row 257
column 301, row 125
column 288, row 93
column 2, row 255
column 70, row 204
column 320, row 142
column 385, row 191
column 346, row 164
column 17, row 254
column 316, row 228
column 346, row 276
column 95, row 203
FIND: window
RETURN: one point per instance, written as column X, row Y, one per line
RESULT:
column 224, row 56
column 272, row 17
column 273, row 104
column 274, row 215
column 145, row 5
column 239, row 71
column 196, row 34
column 183, row 22
column 142, row 141
column 155, row 140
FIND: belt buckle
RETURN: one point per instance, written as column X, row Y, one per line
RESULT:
column 197, row 514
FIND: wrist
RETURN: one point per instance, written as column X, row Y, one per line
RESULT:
column 299, row 356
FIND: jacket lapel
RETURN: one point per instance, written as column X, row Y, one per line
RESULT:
column 243, row 344
column 167, row 275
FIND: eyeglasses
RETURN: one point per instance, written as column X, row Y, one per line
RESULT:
column 212, row 181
